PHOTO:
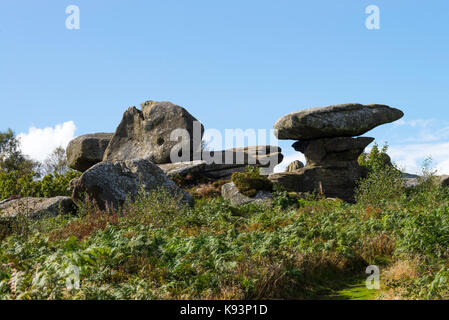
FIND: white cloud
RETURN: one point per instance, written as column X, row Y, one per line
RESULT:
column 40, row 143
column 410, row 157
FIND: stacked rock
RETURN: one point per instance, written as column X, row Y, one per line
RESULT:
column 326, row 137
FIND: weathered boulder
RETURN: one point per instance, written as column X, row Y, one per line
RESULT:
column 36, row 208
column 85, row 151
column 146, row 134
column 230, row 191
column 294, row 166
column 221, row 164
column 344, row 120
column 110, row 183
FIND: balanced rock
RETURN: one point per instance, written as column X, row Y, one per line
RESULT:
column 294, row 166
column 85, row 151
column 36, row 208
column 146, row 133
column 344, row 120
column 110, row 184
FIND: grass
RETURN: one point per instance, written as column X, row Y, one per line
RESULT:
column 289, row 248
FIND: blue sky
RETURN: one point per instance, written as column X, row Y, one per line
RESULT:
column 232, row 64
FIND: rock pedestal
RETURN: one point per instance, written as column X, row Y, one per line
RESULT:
column 332, row 167
column 325, row 136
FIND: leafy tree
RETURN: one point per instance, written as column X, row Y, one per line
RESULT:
column 19, row 176
column 11, row 157
column 56, row 162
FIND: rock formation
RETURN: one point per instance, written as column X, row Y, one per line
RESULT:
column 146, row 133
column 36, row 208
column 110, row 183
column 85, row 151
column 294, row 166
column 221, row 164
column 230, row 191
column 325, row 137
column 344, row 120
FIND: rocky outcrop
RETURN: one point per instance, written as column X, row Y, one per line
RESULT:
column 294, row 166
column 332, row 151
column 344, row 120
column 332, row 168
column 85, row 151
column 325, row 137
column 229, row 191
column 221, row 164
column 110, row 184
column 146, row 134
column 36, row 208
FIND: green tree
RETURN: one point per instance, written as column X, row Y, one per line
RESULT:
column 11, row 157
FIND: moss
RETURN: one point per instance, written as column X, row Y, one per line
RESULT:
column 251, row 181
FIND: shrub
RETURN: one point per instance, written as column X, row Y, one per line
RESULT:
column 52, row 185
column 251, row 181
column 383, row 182
column 207, row 190
column 376, row 159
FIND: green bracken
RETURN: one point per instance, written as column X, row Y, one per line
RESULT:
column 288, row 248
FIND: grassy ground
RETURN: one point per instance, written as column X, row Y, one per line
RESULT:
column 288, row 249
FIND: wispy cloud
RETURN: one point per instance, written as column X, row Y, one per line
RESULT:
column 40, row 143
column 411, row 156
column 424, row 130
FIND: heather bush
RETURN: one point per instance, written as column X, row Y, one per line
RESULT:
column 251, row 181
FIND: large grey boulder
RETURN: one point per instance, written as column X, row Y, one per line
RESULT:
column 229, row 191
column 85, row 151
column 344, row 120
column 36, row 208
column 110, row 184
column 146, row 133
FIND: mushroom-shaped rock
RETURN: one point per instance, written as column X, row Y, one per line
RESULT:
column 344, row 120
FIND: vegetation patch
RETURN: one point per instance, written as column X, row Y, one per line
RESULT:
column 251, row 181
